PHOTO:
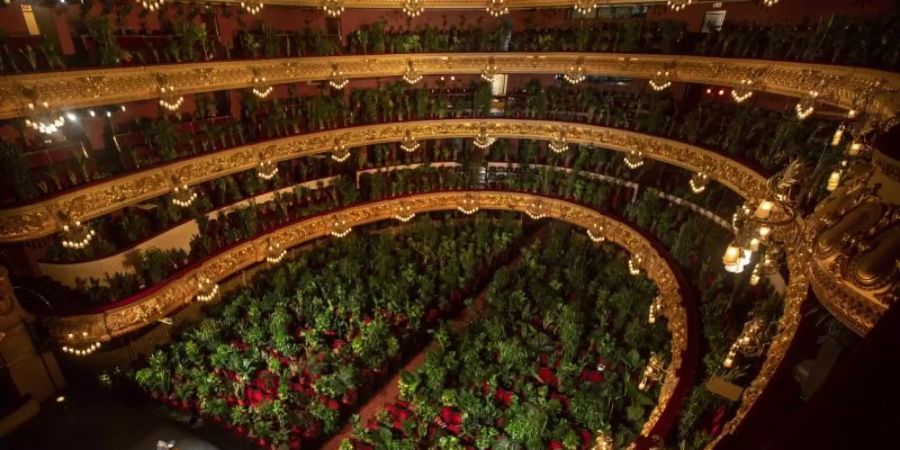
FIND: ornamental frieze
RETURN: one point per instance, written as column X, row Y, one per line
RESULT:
column 847, row 87
column 177, row 293
column 42, row 218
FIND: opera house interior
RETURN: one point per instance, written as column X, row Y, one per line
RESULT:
column 449, row 224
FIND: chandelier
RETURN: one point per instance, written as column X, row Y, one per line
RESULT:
column 584, row 7
column 698, row 182
column 274, row 252
column 404, row 213
column 807, row 105
column 653, row 372
column 575, row 74
column 409, row 143
column 413, row 8
column 742, row 92
column 253, row 7
column 634, row 159
column 261, row 89
column 595, row 233
column 536, row 210
column 182, row 195
column 339, row 152
column 736, row 257
column 337, row 80
column 468, row 205
column 678, row 5
column 206, row 289
column 660, row 81
column 490, row 70
column 410, row 74
column 333, row 8
column 76, row 235
column 339, row 227
column 750, row 343
column 769, row 3
column 152, row 5
column 168, row 98
column 266, row 169
column 768, row 266
column 82, row 351
column 755, row 275
column 560, row 144
column 42, row 120
column 483, row 139
column 497, row 8
column 655, row 309
column 634, row 264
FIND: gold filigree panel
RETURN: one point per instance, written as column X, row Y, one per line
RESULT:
column 177, row 293
column 41, row 219
column 447, row 4
column 839, row 85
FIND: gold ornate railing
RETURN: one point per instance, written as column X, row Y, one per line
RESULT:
column 43, row 218
column 452, row 4
column 847, row 87
column 177, row 293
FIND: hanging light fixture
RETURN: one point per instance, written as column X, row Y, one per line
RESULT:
column 206, row 288
column 152, row 5
column 654, row 372
column 750, row 343
column 76, row 235
column 497, row 8
column 755, row 275
column 253, row 7
column 678, row 5
column 838, row 136
column 834, row 180
column 404, row 213
column 266, row 169
column 168, row 98
column 575, row 73
column 742, row 92
column 584, row 7
column 410, row 74
column 274, row 252
column 468, row 205
column 42, row 119
column 660, row 81
column 855, row 148
column 261, row 88
column 770, row 3
column 698, row 182
column 339, row 152
column 634, row 264
column 595, row 233
column 536, row 210
column 409, row 143
column 807, row 105
column 337, row 80
column 559, row 144
column 634, row 159
column 483, row 139
column 182, row 195
column 413, row 8
column 333, row 8
column 339, row 227
column 490, row 71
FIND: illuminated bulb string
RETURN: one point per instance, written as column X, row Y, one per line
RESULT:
column 490, row 71
column 483, row 139
column 655, row 309
column 536, row 211
column 575, row 74
column 560, row 144
column 595, row 234
column 274, row 253
column 339, row 153
column 409, row 144
column 634, row 264
column 266, row 169
column 340, row 229
column 660, row 81
column 45, row 121
column 411, row 75
column 77, row 235
column 169, row 99
column 183, row 196
column 404, row 213
column 260, row 88
column 634, row 159
column 333, row 8
column 678, row 5
column 742, row 93
column 806, row 106
column 584, row 7
column 337, row 80
column 652, row 373
column 252, row 7
column 152, row 5
column 698, row 182
column 468, row 206
column 206, row 289
column 81, row 351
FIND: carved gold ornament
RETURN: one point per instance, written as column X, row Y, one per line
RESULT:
column 96, row 87
column 36, row 220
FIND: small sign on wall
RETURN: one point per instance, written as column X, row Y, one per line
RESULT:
column 713, row 21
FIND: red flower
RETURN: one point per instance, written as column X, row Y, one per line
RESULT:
column 547, row 376
column 504, row 396
column 591, row 376
column 555, row 445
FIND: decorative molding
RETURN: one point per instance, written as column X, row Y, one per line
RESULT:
column 839, row 85
column 41, row 219
column 181, row 291
column 452, row 4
